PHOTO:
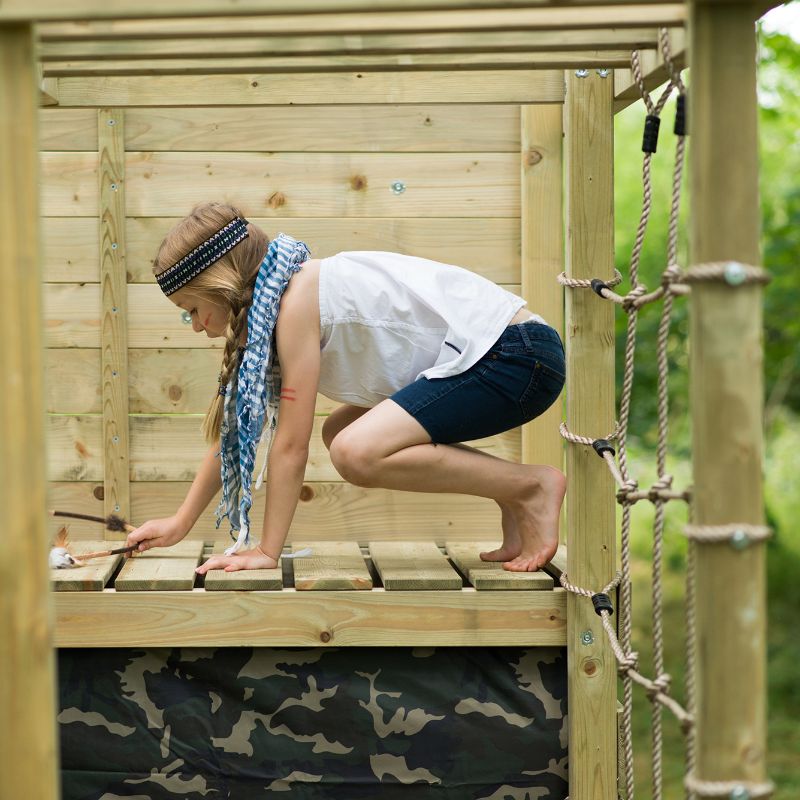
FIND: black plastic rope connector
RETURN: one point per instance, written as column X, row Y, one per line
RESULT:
column 598, row 286
column 680, row 116
column 602, row 602
column 603, row 446
column 650, row 138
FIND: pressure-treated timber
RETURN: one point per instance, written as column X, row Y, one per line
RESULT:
column 310, row 619
column 331, row 566
column 114, row 322
column 471, row 86
column 590, row 412
column 28, row 757
column 542, row 256
column 496, row 19
column 726, row 397
column 490, row 575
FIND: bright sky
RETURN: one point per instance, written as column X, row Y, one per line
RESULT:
column 784, row 19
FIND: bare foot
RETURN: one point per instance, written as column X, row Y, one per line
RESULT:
column 512, row 544
column 536, row 516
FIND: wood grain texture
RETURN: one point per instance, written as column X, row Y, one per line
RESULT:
column 484, row 86
column 413, row 566
column 590, row 412
column 114, row 307
column 28, row 752
column 161, row 569
column 245, row 580
column 541, row 225
column 310, row 619
column 485, row 575
column 727, row 410
column 331, row 566
column 327, row 511
column 76, row 448
column 92, row 576
column 489, row 247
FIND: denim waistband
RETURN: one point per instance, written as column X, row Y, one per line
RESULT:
column 530, row 331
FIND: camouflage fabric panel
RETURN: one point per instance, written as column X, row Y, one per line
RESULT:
column 338, row 724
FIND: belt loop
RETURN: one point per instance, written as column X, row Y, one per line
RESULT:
column 523, row 332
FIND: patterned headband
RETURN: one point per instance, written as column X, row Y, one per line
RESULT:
column 203, row 256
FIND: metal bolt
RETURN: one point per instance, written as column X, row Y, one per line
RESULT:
column 114, row 310
column 114, row 373
column 116, row 508
column 603, row 72
column 114, row 245
column 114, row 186
column 112, row 122
column 739, row 793
column 115, row 439
column 581, row 73
column 734, row 273
column 587, row 637
column 739, row 539
column 186, row 317
column 398, row 187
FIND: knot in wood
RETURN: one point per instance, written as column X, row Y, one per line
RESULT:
column 277, row 200
column 358, row 183
column 175, row 393
column 325, row 637
column 532, row 158
column 99, row 493
column 306, row 493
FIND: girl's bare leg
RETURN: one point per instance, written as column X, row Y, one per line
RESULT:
column 387, row 447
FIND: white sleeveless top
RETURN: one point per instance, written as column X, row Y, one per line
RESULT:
column 388, row 319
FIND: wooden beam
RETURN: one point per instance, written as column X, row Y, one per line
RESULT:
column 340, row 64
column 398, row 44
column 377, row 618
column 142, row 9
column 114, row 309
column 542, row 259
column 48, row 88
column 726, row 369
column 654, row 71
column 28, row 756
column 591, row 536
column 521, row 86
column 495, row 19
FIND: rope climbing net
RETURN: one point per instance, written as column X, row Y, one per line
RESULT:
column 675, row 282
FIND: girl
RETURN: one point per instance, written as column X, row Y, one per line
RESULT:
column 423, row 356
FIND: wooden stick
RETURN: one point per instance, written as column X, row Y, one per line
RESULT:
column 100, row 553
column 112, row 521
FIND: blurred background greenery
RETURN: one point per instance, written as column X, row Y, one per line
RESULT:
column 779, row 133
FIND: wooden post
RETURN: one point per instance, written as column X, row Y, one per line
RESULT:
column 27, row 690
column 114, row 334
column 591, row 539
column 726, row 396
column 542, row 254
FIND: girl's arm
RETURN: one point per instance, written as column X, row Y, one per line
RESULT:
column 297, row 335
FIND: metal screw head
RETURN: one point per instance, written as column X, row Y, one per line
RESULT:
column 739, row 793
column 581, row 73
column 114, row 187
column 734, row 273
column 112, row 122
column 603, row 72
column 116, row 508
column 398, row 187
column 114, row 245
column 739, row 539
column 115, row 439
column 587, row 637
column 186, row 317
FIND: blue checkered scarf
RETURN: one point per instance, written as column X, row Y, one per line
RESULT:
column 251, row 403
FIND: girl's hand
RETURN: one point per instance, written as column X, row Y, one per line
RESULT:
column 157, row 533
column 244, row 559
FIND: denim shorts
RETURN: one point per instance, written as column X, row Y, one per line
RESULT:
column 518, row 379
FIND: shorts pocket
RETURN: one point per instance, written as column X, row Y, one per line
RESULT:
column 542, row 391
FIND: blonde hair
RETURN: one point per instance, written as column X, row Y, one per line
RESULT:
column 228, row 282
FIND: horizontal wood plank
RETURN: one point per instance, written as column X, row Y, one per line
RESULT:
column 413, row 566
column 485, row 575
column 67, row 129
column 75, row 451
column 332, row 566
column 161, row 569
column 332, row 511
column 245, row 580
column 495, row 19
column 490, row 247
column 92, row 576
column 489, row 86
column 310, row 619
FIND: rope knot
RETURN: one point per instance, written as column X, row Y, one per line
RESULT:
column 663, row 484
column 629, row 302
column 627, row 662
column 660, row 685
column 627, row 489
column 672, row 274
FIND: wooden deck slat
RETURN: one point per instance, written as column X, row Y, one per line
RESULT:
column 413, row 566
column 332, row 566
column 92, row 576
column 248, row 580
column 161, row 569
column 491, row 575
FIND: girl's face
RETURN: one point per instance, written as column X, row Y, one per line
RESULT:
column 206, row 315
